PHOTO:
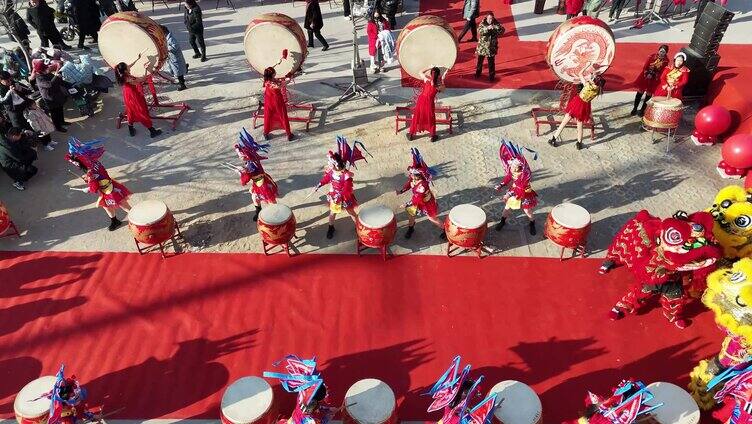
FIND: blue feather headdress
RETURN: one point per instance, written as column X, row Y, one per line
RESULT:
column 85, row 152
column 301, row 377
column 419, row 166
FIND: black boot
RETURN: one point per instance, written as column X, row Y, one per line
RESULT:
column 153, row 132
column 409, row 232
column 606, row 266
column 181, row 81
column 579, row 145
column 637, row 99
column 325, row 48
column 552, row 141
column 114, row 223
column 131, row 130
column 501, row 224
column 203, row 56
column 641, row 113
column 255, row 216
column 330, row 232
column 442, row 235
column 532, row 228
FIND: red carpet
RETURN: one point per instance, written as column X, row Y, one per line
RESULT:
column 162, row 338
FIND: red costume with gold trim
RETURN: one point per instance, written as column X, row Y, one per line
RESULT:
column 422, row 202
column 651, row 74
column 86, row 156
column 672, row 82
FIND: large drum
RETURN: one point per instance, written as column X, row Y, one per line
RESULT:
column 31, row 405
column 248, row 400
column 678, row 406
column 426, row 40
column 568, row 225
column 577, row 42
column 4, row 219
column 125, row 35
column 663, row 113
column 151, row 222
column 466, row 226
column 267, row 36
column 369, row 401
column 376, row 226
column 519, row 404
column 276, row 224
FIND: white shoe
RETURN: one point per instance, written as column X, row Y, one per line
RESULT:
column 53, row 143
column 49, row 147
column 19, row 186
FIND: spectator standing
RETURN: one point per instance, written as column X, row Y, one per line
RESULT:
column 470, row 12
column 376, row 23
column 53, row 93
column 488, row 45
column 388, row 9
column 14, row 99
column 42, row 18
column 86, row 14
column 616, row 7
column 17, row 157
column 574, row 7
column 107, row 7
column 313, row 23
column 175, row 59
column 194, row 22
column 17, row 26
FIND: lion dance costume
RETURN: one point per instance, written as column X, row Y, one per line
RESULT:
column 453, row 392
column 626, row 405
column 732, row 212
column 312, row 405
column 68, row 401
column 662, row 254
column 263, row 187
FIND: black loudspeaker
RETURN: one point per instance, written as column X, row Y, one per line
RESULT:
column 709, row 29
column 701, row 71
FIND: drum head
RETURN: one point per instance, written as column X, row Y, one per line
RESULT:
column 147, row 212
column 669, row 102
column 578, row 42
column 678, row 405
column 265, row 39
column 375, row 216
column 571, row 216
column 27, row 404
column 246, row 400
column 373, row 401
column 519, row 403
column 467, row 216
column 275, row 214
column 122, row 41
column 424, row 43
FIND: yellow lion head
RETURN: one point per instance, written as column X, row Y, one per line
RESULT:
column 732, row 212
column 729, row 296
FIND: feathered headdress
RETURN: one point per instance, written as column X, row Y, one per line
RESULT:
column 627, row 403
column 301, row 377
column 419, row 166
column 87, row 152
column 248, row 149
column 349, row 155
column 65, row 392
column 511, row 154
column 736, row 383
column 447, row 387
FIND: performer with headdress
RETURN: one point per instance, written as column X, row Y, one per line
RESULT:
column 673, row 78
column 649, row 78
column 68, row 401
column 735, row 394
column 136, row 109
column 338, row 175
column 627, row 405
column 263, row 187
column 112, row 194
column 423, row 201
column 454, row 391
column 520, row 194
column 275, row 101
column 424, row 112
column 312, row 405
column 579, row 107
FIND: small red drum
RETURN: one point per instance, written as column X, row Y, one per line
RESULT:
column 663, row 113
column 568, row 225
column 426, row 40
column 276, row 224
column 151, row 222
column 267, row 35
column 31, row 406
column 519, row 404
column 369, row 401
column 248, row 400
column 577, row 42
column 4, row 219
column 376, row 226
column 466, row 226
column 678, row 406
column 125, row 35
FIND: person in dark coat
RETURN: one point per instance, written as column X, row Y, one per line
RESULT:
column 41, row 16
column 313, row 23
column 18, row 27
column 470, row 12
column 86, row 14
column 14, row 99
column 107, row 7
column 126, row 5
column 17, row 157
column 194, row 22
column 388, row 8
column 53, row 93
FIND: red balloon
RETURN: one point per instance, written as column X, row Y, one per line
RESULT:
column 737, row 151
column 712, row 120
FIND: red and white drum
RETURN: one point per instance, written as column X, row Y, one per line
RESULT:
column 267, row 36
column 426, row 40
column 276, row 224
column 663, row 113
column 4, row 219
column 369, row 401
column 568, row 225
column 31, row 405
column 151, row 222
column 248, row 400
column 519, row 404
column 678, row 406
column 577, row 42
column 466, row 226
column 376, row 226
column 125, row 35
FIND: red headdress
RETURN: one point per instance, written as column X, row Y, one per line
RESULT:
column 419, row 166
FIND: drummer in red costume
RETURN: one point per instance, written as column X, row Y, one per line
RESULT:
column 423, row 201
column 69, row 401
column 312, row 405
column 424, row 113
column 649, row 78
column 112, row 194
column 674, row 78
column 520, row 194
column 627, row 405
column 579, row 106
column 136, row 109
column 275, row 102
column 263, row 187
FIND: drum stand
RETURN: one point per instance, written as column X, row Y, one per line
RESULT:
column 670, row 136
column 267, row 247
column 146, row 247
column 12, row 230
column 155, row 104
column 451, row 247
column 359, row 247
column 652, row 13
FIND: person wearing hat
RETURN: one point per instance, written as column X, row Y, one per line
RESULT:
column 648, row 80
column 54, row 95
column 673, row 78
column 423, row 201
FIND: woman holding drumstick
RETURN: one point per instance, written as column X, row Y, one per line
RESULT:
column 275, row 101
column 424, row 113
column 578, row 107
column 136, row 109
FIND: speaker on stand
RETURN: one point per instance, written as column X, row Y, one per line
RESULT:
column 702, row 51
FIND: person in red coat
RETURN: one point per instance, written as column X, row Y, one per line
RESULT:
column 673, row 78
column 136, row 109
column 649, row 78
column 424, row 113
column 579, row 106
column 422, row 202
column 574, row 7
column 275, row 104
column 376, row 24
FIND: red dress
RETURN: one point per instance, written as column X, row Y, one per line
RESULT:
column 676, row 78
column 423, row 200
column 136, row 109
column 578, row 106
column 424, row 114
column 373, row 34
column 263, row 187
column 574, row 7
column 648, row 79
column 111, row 192
column 275, row 108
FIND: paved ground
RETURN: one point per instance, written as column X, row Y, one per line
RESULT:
column 618, row 174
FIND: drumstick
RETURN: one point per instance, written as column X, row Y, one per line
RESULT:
column 311, row 193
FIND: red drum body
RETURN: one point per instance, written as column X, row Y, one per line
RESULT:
column 568, row 225
column 248, row 400
column 151, row 222
column 663, row 113
column 267, row 36
column 678, row 406
column 4, row 219
column 276, row 224
column 31, row 406
column 376, row 226
column 521, row 404
column 369, row 401
column 426, row 40
column 578, row 42
column 125, row 35
column 466, row 226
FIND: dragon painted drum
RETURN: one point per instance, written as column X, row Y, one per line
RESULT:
column 266, row 38
column 4, row 219
column 466, row 226
column 247, row 400
column 578, row 42
column 276, row 224
column 678, row 406
column 426, row 40
column 151, row 222
column 31, row 405
column 519, row 403
column 376, row 226
column 663, row 113
column 125, row 35
column 568, row 225
column 369, row 401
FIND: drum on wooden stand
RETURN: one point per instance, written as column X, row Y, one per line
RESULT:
column 678, row 406
column 518, row 403
column 465, row 227
column 6, row 223
column 248, row 400
column 663, row 113
column 426, row 40
column 276, row 225
column 267, row 36
column 31, row 405
column 568, row 226
column 576, row 43
column 376, row 227
column 125, row 35
column 152, row 224
column 369, row 401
